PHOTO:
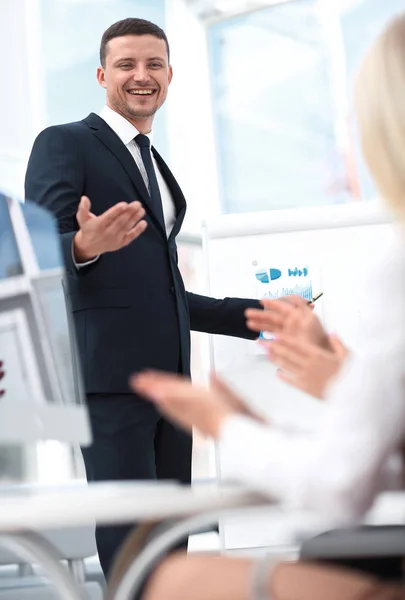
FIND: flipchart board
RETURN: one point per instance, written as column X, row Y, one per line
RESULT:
column 307, row 251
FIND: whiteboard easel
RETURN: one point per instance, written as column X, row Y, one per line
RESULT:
column 343, row 240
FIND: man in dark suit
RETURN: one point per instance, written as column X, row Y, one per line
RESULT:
column 127, row 295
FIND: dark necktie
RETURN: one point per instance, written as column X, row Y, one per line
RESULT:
column 154, row 192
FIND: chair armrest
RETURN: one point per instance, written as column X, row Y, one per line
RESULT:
column 366, row 541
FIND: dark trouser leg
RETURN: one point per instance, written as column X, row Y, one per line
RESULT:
column 123, row 449
column 173, row 448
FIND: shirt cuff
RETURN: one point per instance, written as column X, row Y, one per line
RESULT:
column 84, row 264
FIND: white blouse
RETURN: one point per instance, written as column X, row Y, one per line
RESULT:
column 338, row 469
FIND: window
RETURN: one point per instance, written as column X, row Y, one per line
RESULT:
column 369, row 17
column 285, row 137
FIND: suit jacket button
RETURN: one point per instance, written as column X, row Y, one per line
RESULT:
column 172, row 290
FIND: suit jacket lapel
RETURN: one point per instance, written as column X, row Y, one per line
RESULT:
column 110, row 139
column 177, row 195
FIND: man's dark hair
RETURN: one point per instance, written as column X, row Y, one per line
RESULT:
column 130, row 27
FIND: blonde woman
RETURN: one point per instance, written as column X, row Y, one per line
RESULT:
column 338, row 470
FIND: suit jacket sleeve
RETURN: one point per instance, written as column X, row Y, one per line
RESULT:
column 225, row 317
column 55, row 181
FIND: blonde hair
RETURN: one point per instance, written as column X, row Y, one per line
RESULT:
column 380, row 107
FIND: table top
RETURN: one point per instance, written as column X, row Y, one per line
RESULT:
column 77, row 504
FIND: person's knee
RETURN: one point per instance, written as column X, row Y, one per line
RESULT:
column 181, row 577
column 171, row 579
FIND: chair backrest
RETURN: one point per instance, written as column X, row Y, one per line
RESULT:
column 36, row 335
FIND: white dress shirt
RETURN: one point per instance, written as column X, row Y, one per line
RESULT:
column 127, row 132
column 338, row 469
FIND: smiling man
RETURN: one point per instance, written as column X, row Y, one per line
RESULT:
column 119, row 210
column 136, row 98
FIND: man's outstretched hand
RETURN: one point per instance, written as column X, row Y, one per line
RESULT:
column 116, row 228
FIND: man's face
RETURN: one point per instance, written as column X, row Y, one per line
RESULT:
column 136, row 76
